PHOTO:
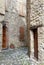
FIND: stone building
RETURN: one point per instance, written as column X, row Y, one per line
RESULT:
column 36, row 29
column 13, row 25
column 13, row 19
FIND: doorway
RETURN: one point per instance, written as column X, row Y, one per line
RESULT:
column 4, row 37
column 35, row 34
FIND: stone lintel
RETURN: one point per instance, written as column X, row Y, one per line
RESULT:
column 35, row 26
column 2, row 14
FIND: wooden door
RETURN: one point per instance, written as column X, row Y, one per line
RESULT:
column 21, row 33
column 35, row 31
column 4, row 38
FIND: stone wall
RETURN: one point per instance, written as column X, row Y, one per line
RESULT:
column 2, row 10
column 0, row 36
column 36, row 12
column 14, row 22
column 37, row 18
column 2, row 6
column 41, row 43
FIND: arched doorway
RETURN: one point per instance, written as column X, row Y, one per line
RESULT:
column 4, row 37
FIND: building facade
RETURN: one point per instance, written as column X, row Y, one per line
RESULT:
column 13, row 26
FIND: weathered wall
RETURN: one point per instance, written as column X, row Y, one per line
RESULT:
column 37, row 18
column 2, row 12
column 14, row 22
column 36, row 12
column 0, row 36
column 2, row 9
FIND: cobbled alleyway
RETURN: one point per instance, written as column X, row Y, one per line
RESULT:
column 14, row 57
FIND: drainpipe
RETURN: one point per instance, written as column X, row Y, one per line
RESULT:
column 28, row 24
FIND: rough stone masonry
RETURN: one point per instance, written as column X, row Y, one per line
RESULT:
column 13, row 21
column 37, row 19
column 14, row 18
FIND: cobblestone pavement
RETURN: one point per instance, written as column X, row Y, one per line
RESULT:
column 14, row 57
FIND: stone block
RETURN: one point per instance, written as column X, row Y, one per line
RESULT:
column 12, row 46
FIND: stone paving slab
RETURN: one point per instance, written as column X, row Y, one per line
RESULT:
column 14, row 57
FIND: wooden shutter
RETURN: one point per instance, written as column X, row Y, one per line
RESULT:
column 21, row 33
column 35, row 43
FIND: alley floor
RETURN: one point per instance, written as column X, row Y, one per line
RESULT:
column 14, row 57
